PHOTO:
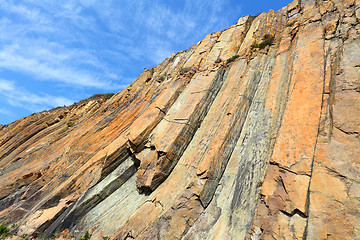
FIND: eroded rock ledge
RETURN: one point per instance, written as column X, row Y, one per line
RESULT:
column 253, row 133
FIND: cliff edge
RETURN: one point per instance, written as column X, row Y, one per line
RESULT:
column 253, row 133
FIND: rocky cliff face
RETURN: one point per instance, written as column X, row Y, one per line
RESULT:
column 253, row 133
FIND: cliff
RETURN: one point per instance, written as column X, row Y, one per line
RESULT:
column 253, row 133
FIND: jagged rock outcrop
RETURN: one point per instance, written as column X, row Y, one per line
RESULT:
column 253, row 133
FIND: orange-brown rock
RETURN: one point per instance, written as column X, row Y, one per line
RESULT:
column 253, row 133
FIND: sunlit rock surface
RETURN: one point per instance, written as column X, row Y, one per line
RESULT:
column 253, row 133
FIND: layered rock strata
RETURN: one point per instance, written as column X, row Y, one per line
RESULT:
column 253, row 133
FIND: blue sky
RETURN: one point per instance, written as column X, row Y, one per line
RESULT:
column 55, row 53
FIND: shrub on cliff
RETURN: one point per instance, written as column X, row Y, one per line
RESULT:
column 160, row 79
column 4, row 230
column 184, row 70
column 233, row 58
column 86, row 236
column 267, row 41
column 101, row 95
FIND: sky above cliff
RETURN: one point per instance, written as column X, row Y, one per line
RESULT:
column 54, row 53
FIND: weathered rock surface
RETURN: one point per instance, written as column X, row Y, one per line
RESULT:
column 265, row 145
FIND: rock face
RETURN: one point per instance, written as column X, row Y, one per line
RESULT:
column 253, row 133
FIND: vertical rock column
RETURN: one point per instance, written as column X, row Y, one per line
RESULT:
column 334, row 204
column 282, row 211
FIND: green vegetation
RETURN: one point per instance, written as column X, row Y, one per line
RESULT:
column 233, row 58
column 184, row 70
column 290, row 24
column 267, row 41
column 86, row 236
column 41, row 236
column 70, row 124
column 101, row 95
column 160, row 78
column 96, row 96
column 4, row 230
column 56, row 108
column 24, row 236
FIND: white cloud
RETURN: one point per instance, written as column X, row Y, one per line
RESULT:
column 156, row 21
column 18, row 96
column 30, row 14
column 48, row 61
column 6, row 86
column 90, row 45
column 7, row 112
column 126, row 24
column 36, row 40
column 131, row 27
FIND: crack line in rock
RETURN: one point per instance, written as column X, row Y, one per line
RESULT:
column 288, row 170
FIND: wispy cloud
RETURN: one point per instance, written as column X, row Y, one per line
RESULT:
column 161, row 27
column 83, row 47
column 41, row 47
column 6, row 86
column 45, row 64
column 56, row 54
column 20, row 97
column 7, row 112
